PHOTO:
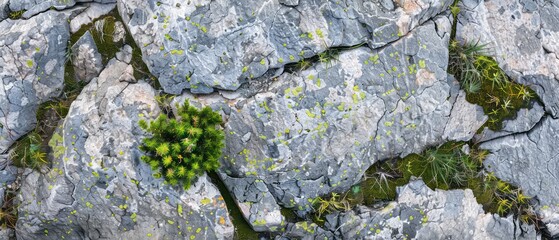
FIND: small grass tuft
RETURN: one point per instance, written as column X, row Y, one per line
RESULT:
column 16, row 14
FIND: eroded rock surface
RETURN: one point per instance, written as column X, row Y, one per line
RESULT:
column 99, row 188
column 465, row 120
column 419, row 213
column 3, row 9
column 31, row 70
column 206, row 45
column 86, row 59
column 315, row 131
column 34, row 7
column 531, row 161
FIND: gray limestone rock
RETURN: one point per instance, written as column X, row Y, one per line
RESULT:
column 421, row 213
column 125, row 54
column 4, row 10
column 318, row 130
column 531, row 161
column 465, row 120
column 523, row 35
column 34, row 7
column 93, row 11
column 311, row 132
column 7, row 234
column 120, row 33
column 99, row 188
column 86, row 59
column 31, row 70
column 208, row 45
column 255, row 203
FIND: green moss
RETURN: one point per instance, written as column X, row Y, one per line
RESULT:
column 445, row 167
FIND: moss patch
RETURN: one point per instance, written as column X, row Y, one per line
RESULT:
column 445, row 167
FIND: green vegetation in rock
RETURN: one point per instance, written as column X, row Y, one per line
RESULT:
column 16, row 14
column 486, row 84
column 29, row 152
column 8, row 211
column 335, row 202
column 103, row 32
column 445, row 167
column 182, row 148
column 326, row 57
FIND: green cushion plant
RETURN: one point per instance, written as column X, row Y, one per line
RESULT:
column 182, row 148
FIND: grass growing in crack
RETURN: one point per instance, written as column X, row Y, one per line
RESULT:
column 486, row 84
column 16, row 14
column 8, row 211
column 445, row 167
column 334, row 202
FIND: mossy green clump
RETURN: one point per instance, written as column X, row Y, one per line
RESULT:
column 486, row 84
column 182, row 149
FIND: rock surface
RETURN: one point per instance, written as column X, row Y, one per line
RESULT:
column 86, row 59
column 93, row 11
column 4, row 10
column 315, row 131
column 523, row 36
column 99, row 188
column 531, row 161
column 420, row 213
column 312, row 93
column 31, row 70
column 206, row 45
column 34, row 7
column 465, row 120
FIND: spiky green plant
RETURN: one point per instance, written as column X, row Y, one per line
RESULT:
column 183, row 148
column 330, row 204
column 463, row 64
